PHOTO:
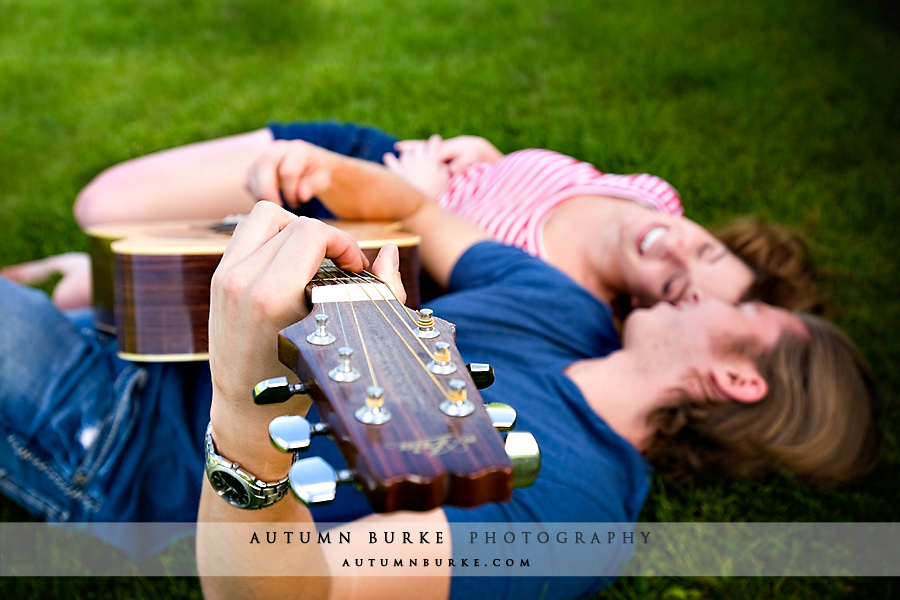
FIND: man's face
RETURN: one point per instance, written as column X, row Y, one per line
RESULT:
column 698, row 338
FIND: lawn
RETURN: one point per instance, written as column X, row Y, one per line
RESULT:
column 784, row 109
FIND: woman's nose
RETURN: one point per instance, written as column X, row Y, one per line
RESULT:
column 691, row 296
column 677, row 250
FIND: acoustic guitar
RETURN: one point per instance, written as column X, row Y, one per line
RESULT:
column 389, row 386
column 151, row 281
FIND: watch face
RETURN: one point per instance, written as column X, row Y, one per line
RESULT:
column 230, row 488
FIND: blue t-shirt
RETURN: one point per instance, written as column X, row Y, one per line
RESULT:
column 530, row 321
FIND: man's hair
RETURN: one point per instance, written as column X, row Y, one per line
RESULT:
column 779, row 258
column 816, row 421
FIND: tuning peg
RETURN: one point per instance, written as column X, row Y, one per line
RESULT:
column 441, row 365
column 290, row 433
column 425, row 324
column 321, row 336
column 275, row 390
column 482, row 374
column 503, row 416
column 314, row 481
column 525, row 455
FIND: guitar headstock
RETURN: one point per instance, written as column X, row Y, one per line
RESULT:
column 396, row 397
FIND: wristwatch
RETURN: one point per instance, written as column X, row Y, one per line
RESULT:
column 235, row 485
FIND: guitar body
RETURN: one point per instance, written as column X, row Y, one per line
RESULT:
column 421, row 458
column 151, row 281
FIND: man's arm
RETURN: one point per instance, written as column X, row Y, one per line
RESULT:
column 257, row 290
column 295, row 171
column 359, row 189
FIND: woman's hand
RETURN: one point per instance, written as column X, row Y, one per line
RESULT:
column 459, row 152
column 421, row 165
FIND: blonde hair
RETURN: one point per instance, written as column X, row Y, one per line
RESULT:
column 817, row 420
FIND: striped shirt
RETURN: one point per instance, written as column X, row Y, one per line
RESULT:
column 512, row 198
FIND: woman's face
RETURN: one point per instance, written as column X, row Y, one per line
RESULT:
column 671, row 259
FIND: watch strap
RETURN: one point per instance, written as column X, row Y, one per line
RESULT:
column 261, row 493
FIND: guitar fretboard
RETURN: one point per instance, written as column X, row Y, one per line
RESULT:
column 331, row 284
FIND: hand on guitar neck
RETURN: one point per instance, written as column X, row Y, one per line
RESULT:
column 387, row 381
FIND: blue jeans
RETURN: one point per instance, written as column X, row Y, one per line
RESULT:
column 86, row 436
column 66, row 404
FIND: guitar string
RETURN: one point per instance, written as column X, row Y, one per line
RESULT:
column 340, row 316
column 437, row 383
column 321, row 277
column 369, row 278
column 409, row 329
column 334, row 281
column 362, row 339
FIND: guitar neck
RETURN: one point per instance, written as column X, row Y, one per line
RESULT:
column 383, row 391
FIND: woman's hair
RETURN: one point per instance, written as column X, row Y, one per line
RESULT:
column 780, row 261
column 816, row 421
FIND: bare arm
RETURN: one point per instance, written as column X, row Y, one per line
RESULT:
column 445, row 238
column 358, row 189
column 295, row 171
column 255, row 293
column 202, row 180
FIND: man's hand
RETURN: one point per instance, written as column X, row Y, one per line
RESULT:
column 289, row 171
column 73, row 291
column 258, row 290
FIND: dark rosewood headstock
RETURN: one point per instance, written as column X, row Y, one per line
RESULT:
column 420, row 457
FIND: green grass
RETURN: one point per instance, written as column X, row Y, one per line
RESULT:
column 785, row 109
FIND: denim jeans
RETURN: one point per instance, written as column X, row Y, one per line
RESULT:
column 66, row 404
column 86, row 436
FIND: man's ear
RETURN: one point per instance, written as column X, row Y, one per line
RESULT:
column 740, row 380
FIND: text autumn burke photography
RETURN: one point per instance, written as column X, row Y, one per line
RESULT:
column 477, row 549
column 437, row 537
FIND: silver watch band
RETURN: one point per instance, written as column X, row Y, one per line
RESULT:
column 260, row 493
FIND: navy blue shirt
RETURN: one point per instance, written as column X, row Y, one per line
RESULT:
column 530, row 321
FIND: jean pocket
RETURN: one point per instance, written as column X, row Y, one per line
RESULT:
column 110, row 437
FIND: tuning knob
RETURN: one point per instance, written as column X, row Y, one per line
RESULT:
column 482, row 374
column 525, row 455
column 503, row 416
column 314, row 481
column 275, row 390
column 290, row 433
